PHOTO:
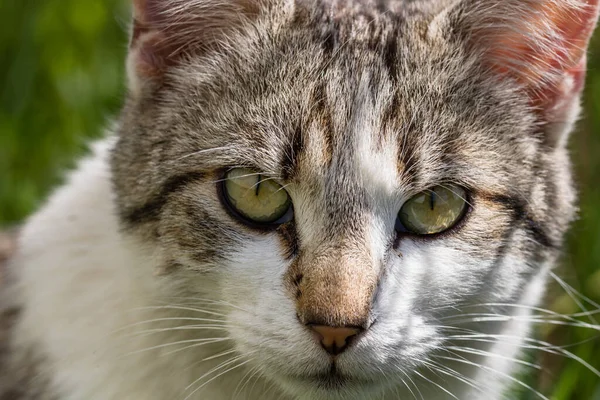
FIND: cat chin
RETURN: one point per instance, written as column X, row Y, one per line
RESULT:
column 330, row 386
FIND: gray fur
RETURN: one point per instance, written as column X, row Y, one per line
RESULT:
column 282, row 88
column 246, row 106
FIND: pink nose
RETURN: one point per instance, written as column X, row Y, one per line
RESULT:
column 334, row 340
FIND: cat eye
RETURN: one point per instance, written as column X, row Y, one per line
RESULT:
column 433, row 211
column 255, row 198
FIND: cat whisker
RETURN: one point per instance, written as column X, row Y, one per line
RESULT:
column 436, row 384
column 574, row 294
column 541, row 345
column 192, row 346
column 270, row 388
column 492, row 370
column 479, row 352
column 452, row 373
column 208, row 358
column 206, row 306
column 224, row 353
column 533, row 320
column 163, row 345
column 180, row 308
column 524, row 306
column 453, row 328
column 213, row 302
column 256, row 379
column 221, row 365
column 181, row 328
column 413, row 383
column 386, row 377
column 164, row 319
column 407, row 387
column 216, row 376
column 537, row 309
column 239, row 389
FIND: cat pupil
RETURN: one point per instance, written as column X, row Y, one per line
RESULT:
column 259, row 176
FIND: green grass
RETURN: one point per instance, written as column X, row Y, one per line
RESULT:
column 62, row 77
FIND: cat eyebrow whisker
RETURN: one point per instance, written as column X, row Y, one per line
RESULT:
column 200, row 152
column 456, row 194
column 283, row 187
column 238, row 177
column 257, row 184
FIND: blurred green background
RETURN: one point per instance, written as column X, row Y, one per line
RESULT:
column 62, row 78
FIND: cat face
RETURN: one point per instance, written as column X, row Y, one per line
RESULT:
column 352, row 112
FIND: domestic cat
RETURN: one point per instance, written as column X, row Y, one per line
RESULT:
column 348, row 199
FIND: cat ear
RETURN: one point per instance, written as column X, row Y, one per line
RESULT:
column 539, row 44
column 167, row 31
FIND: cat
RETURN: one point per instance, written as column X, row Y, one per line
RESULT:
column 327, row 199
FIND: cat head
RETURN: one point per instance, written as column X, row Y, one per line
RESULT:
column 344, row 175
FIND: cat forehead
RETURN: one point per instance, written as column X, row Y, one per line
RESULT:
column 295, row 97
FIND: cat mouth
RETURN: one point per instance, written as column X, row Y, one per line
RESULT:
column 333, row 380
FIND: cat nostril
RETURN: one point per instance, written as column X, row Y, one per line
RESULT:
column 335, row 339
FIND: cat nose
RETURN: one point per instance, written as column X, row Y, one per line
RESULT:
column 334, row 339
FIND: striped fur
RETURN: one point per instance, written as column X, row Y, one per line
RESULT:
column 354, row 107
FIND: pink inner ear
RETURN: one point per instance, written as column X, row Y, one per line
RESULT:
column 544, row 49
column 148, row 40
column 165, row 31
column 139, row 7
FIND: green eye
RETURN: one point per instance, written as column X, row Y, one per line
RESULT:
column 433, row 211
column 256, row 198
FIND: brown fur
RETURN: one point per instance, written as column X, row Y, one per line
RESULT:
column 335, row 286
